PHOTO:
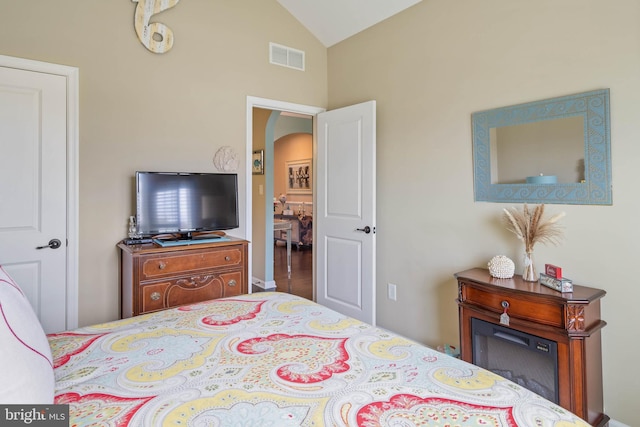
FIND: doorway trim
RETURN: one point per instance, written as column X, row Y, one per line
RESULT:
column 267, row 104
column 72, row 76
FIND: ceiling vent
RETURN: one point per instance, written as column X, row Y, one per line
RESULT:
column 286, row 56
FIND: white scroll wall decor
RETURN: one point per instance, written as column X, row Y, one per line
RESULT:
column 155, row 36
column 226, row 159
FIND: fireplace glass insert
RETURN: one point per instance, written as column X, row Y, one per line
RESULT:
column 525, row 359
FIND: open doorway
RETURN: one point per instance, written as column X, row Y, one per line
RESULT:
column 343, row 180
column 293, row 204
column 281, row 134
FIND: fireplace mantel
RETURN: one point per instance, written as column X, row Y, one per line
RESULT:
column 572, row 320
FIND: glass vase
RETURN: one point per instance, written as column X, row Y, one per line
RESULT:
column 529, row 274
column 133, row 228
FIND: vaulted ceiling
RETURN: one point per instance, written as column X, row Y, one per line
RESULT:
column 333, row 21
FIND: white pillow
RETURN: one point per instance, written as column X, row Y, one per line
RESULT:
column 26, row 370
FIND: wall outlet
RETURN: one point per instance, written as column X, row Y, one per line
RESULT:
column 391, row 291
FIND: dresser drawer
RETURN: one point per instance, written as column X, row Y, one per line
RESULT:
column 190, row 289
column 520, row 306
column 156, row 266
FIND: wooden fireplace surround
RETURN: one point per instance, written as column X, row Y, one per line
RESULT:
column 572, row 320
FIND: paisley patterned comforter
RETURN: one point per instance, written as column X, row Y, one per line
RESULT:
column 271, row 359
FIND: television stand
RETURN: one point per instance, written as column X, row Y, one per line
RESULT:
column 189, row 238
column 207, row 235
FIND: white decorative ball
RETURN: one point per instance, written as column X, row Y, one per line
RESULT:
column 501, row 267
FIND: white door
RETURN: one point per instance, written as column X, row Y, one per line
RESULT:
column 345, row 214
column 33, row 168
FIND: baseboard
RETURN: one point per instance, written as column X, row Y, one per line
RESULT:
column 614, row 423
column 269, row 285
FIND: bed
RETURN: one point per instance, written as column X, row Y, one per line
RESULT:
column 274, row 359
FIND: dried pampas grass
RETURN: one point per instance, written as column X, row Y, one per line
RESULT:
column 530, row 226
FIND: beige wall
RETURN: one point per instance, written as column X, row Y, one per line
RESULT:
column 429, row 68
column 143, row 111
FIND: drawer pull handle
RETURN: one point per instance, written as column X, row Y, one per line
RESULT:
column 227, row 258
column 195, row 281
column 161, row 265
column 155, row 296
column 504, row 317
column 232, row 282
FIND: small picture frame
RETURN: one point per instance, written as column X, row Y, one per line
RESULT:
column 298, row 177
column 257, row 162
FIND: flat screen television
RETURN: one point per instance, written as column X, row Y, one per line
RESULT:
column 183, row 203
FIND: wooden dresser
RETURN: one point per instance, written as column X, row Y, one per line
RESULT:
column 155, row 278
column 572, row 320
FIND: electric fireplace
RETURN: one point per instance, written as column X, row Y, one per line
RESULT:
column 547, row 341
column 525, row 359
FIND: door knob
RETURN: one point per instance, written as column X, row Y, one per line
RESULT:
column 53, row 244
column 366, row 229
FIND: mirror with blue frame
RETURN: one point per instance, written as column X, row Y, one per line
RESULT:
column 550, row 151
